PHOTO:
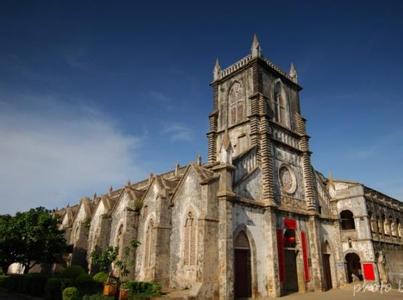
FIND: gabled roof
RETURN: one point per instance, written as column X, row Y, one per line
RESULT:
column 111, row 199
column 87, row 205
column 71, row 212
column 205, row 175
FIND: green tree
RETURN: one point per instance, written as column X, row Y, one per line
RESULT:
column 104, row 259
column 31, row 238
column 9, row 242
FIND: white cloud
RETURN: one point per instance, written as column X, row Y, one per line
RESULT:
column 52, row 154
column 178, row 132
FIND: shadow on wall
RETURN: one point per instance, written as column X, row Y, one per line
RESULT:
column 79, row 257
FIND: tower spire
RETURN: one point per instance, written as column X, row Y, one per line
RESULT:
column 256, row 50
column 293, row 73
column 217, row 70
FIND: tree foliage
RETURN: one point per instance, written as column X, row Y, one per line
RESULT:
column 8, row 242
column 31, row 238
column 104, row 259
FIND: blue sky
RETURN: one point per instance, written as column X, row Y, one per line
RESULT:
column 94, row 93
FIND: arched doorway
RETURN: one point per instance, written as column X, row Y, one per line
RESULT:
column 290, row 262
column 326, row 266
column 353, row 267
column 242, row 267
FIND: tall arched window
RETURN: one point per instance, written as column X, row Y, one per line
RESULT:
column 236, row 102
column 119, row 243
column 76, row 235
column 149, row 243
column 347, row 220
column 381, row 227
column 387, row 226
column 281, row 109
column 373, row 222
column 394, row 228
column 190, row 240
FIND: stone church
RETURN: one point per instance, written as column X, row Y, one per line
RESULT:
column 256, row 220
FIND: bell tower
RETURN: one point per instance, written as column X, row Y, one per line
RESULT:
column 257, row 105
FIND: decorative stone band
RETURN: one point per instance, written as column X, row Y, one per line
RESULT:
column 254, row 118
column 300, row 123
column 212, row 136
column 239, row 64
column 245, row 60
column 266, row 155
column 212, row 148
column 308, row 181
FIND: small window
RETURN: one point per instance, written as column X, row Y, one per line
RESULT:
column 347, row 220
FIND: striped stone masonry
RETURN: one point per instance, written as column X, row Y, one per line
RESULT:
column 266, row 155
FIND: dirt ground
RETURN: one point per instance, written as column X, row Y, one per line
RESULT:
column 347, row 293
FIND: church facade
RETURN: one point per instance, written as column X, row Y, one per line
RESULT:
column 256, row 220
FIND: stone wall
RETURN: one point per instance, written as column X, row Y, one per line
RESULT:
column 394, row 266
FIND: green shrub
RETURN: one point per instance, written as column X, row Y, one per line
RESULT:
column 55, row 286
column 142, row 288
column 53, row 289
column 84, row 278
column 71, row 293
column 3, row 279
column 101, row 277
column 13, row 283
column 98, row 297
column 72, row 272
column 67, row 282
column 87, row 285
column 33, row 284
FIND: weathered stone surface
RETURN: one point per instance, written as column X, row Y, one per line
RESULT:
column 259, row 184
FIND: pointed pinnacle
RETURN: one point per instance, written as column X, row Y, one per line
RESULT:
column 217, row 70
column 256, row 50
column 255, row 42
column 293, row 73
column 198, row 159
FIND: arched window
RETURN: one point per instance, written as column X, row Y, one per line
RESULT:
column 281, row 105
column 119, row 240
column 381, row 228
column 236, row 101
column 394, row 227
column 347, row 220
column 373, row 223
column 387, row 226
column 77, row 234
column 149, row 243
column 190, row 240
